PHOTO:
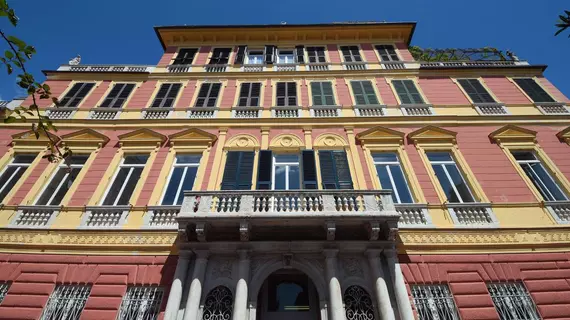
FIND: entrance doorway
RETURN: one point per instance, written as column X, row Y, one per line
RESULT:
column 288, row 294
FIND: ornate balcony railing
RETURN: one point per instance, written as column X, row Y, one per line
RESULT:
column 417, row 109
column 413, row 215
column 286, row 112
column 202, row 112
column 215, row 67
column 321, row 66
column 60, row 113
column 106, row 68
column 325, row 111
column 253, row 67
column 491, row 109
column 34, row 216
column 162, row 217
column 369, row 110
column 560, row 210
column 104, row 113
column 246, row 112
column 105, row 216
column 354, row 65
column 156, row 113
column 478, row 63
column 472, row 214
column 179, row 68
column 554, row 108
column 285, row 67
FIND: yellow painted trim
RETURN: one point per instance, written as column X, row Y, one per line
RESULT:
column 40, row 182
column 308, row 134
column 361, row 181
column 200, row 173
column 97, row 196
column 219, row 157
column 286, row 142
column 318, row 167
column 25, row 175
column 264, row 138
column 162, row 182
column 143, row 139
column 564, row 135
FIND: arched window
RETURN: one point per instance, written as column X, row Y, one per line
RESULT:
column 218, row 304
column 358, row 304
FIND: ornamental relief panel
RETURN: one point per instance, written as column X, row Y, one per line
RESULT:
column 286, row 141
column 352, row 267
column 328, row 140
column 243, row 141
column 221, row 268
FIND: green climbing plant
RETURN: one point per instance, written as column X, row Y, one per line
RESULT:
column 17, row 54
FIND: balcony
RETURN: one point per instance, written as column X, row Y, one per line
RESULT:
column 320, row 66
column 369, row 110
column 354, row 65
column 246, row 112
column 325, row 111
column 560, row 210
column 104, row 113
column 286, row 111
column 285, row 67
column 34, row 216
column 106, row 68
column 216, row 68
column 179, row 68
column 288, row 215
column 253, row 67
column 156, row 113
column 479, row 63
column 491, row 109
column 553, row 108
column 60, row 113
column 202, row 112
column 472, row 215
column 417, row 109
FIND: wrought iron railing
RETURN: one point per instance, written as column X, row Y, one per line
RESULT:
column 512, row 301
column 66, row 302
column 141, row 303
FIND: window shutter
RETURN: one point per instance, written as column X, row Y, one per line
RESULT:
column 240, row 56
column 346, row 54
column 413, row 92
column 118, row 95
column 342, row 170
column 358, row 92
column 476, row 91
column 369, row 93
column 328, row 172
column 408, row 92
column 76, row 94
column 328, row 93
column 291, row 93
column 254, row 94
column 264, row 170
column 387, row 53
column 312, row 54
column 238, row 171
column 280, row 94
column 213, row 94
column 322, row 93
column 309, row 169
column 534, row 91
column 317, row 93
column 269, row 54
column 185, row 56
column 112, row 95
column 171, row 96
column 300, row 53
column 202, row 95
column 244, row 94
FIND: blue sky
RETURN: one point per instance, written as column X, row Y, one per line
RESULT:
column 120, row 31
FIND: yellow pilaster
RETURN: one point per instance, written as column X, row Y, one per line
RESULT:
column 355, row 158
column 264, row 138
column 218, row 158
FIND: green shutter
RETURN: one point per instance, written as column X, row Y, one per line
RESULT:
column 309, row 169
column 238, row 171
column 322, row 93
column 407, row 92
column 264, row 170
column 476, row 91
column 240, row 55
column 534, row 91
column 364, row 93
column 335, row 171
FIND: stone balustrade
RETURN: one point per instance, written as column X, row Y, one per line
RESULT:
column 106, row 68
column 560, row 210
column 472, row 214
column 369, row 110
column 104, row 216
column 34, row 216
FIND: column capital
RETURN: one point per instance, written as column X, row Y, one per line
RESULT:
column 202, row 254
column 330, row 253
column 373, row 253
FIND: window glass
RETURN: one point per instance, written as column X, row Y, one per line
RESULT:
column 450, row 178
column 540, row 177
column 125, row 180
column 76, row 94
column 182, row 178
column 62, row 180
column 392, row 177
column 288, row 293
column 13, row 172
column 286, row 56
column 533, row 90
column 287, row 175
column 387, row 53
column 255, row 57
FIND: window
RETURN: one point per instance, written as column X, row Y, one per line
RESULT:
column 286, row 172
column 185, row 56
column 288, row 293
column 74, row 96
column 238, row 171
column 335, row 171
column 218, row 304
column 125, row 180
column 208, row 95
column 62, row 180
column 316, row 54
column 358, row 304
column 533, row 90
column 286, row 94
column 351, row 53
column 539, row 176
column 4, row 290
column 141, row 302
column 118, row 95
column 220, row 56
column 13, row 172
column 255, row 57
column 512, row 301
column 450, row 178
column 434, row 302
column 364, row 93
column 181, row 178
column 387, row 53
column 249, row 94
column 392, row 177
column 476, row 91
column 407, row 92
column 285, row 56
column 166, row 95
column 322, row 93
column 66, row 302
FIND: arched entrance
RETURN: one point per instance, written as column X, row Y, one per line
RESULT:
column 288, row 294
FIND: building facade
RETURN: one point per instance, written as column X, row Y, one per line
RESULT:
column 290, row 171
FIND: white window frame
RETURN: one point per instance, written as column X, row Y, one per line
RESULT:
column 262, row 55
column 448, row 176
column 179, row 165
column 541, row 183
column 285, row 62
column 122, row 165
column 387, row 164
column 60, row 166
column 20, row 166
column 287, row 166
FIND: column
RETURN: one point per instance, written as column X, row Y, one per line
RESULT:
column 399, row 284
column 240, row 300
column 175, row 295
column 336, row 309
column 195, row 292
column 380, row 288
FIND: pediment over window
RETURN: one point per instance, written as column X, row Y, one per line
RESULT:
column 142, row 137
column 28, row 138
column 192, row 137
column 564, row 135
column 432, row 134
column 290, row 141
column 330, row 140
column 512, row 133
column 381, row 134
column 85, row 138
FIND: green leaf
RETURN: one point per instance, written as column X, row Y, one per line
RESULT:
column 9, row 67
column 9, row 54
column 20, row 43
column 10, row 119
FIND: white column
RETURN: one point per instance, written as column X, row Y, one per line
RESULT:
column 404, row 305
column 335, row 292
column 175, row 295
column 240, row 300
column 195, row 293
column 380, row 288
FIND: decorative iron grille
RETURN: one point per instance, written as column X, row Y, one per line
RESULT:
column 218, row 304
column 434, row 302
column 512, row 301
column 141, row 303
column 358, row 304
column 4, row 290
column 461, row 54
column 66, row 302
